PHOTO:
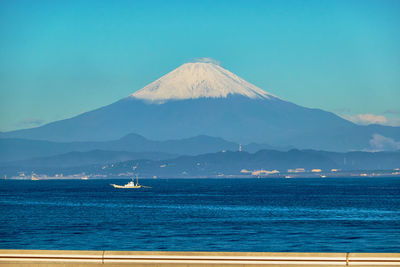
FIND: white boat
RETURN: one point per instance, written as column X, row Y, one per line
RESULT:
column 131, row 184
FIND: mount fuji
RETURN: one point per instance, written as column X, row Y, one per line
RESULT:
column 199, row 80
column 205, row 99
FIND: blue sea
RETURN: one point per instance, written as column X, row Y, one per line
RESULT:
column 303, row 215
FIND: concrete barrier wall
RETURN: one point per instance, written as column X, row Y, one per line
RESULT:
column 169, row 258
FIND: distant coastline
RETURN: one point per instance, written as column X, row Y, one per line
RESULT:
column 225, row 164
column 320, row 175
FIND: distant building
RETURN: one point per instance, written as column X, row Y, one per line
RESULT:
column 264, row 172
column 297, row 170
column 316, row 170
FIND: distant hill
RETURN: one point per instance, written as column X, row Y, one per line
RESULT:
column 73, row 159
column 21, row 149
column 228, row 163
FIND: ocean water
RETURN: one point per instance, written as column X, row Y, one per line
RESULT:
column 304, row 215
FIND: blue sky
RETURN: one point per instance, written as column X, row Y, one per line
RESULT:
column 62, row 58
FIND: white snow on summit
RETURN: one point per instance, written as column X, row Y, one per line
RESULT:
column 198, row 80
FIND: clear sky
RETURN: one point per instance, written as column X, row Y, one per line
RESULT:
column 62, row 58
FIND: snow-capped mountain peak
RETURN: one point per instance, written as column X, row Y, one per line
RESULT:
column 198, row 80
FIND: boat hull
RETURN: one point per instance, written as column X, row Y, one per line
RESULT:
column 124, row 186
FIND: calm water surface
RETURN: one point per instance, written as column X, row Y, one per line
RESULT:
column 346, row 215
